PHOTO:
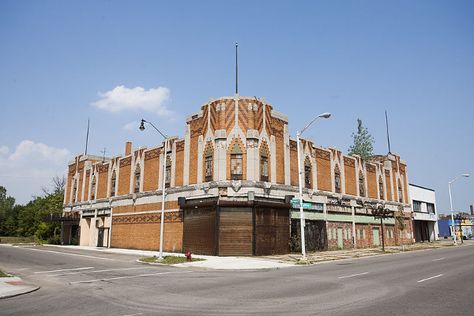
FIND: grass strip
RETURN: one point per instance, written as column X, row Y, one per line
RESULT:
column 4, row 275
column 168, row 259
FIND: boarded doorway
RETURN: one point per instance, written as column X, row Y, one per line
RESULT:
column 235, row 231
column 340, row 240
column 315, row 235
column 376, row 236
column 199, row 231
column 271, row 231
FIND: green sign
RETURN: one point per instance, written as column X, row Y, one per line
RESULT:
column 295, row 203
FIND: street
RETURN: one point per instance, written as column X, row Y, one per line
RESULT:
column 78, row 282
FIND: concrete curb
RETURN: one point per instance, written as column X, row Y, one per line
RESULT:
column 8, row 290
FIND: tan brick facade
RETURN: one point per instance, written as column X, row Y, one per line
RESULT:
column 223, row 127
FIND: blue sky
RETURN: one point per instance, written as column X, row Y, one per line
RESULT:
column 62, row 62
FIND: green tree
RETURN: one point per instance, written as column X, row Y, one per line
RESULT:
column 7, row 213
column 363, row 142
column 34, row 218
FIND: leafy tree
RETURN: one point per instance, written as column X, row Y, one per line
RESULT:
column 363, row 142
column 7, row 215
column 34, row 218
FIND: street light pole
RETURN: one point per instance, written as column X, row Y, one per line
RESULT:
column 300, row 185
column 453, row 231
column 163, row 187
column 302, row 223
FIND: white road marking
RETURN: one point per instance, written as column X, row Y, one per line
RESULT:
column 436, row 276
column 439, row 259
column 68, row 254
column 97, row 271
column 128, row 277
column 352, row 275
column 72, row 269
column 134, row 314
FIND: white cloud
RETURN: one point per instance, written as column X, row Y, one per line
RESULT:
column 131, row 126
column 4, row 151
column 30, row 167
column 122, row 98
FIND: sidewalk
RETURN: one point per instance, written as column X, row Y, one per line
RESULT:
column 13, row 286
column 323, row 256
column 276, row 261
column 211, row 262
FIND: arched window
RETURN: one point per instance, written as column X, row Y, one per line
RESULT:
column 137, row 179
column 263, row 165
column 208, row 164
column 361, row 184
column 337, row 179
column 74, row 190
column 307, row 173
column 93, row 185
column 381, row 193
column 113, row 182
column 168, row 171
column 236, row 163
column 400, row 192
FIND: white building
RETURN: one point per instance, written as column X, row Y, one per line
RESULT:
column 425, row 216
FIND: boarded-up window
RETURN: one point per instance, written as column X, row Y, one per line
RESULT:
column 307, row 173
column 381, row 193
column 113, row 183
column 263, row 166
column 137, row 179
column 168, row 171
column 337, row 179
column 361, row 184
column 93, row 186
column 236, row 166
column 208, row 165
column 400, row 193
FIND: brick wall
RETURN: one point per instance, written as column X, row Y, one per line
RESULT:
column 350, row 176
column 371, row 181
column 86, row 186
column 294, row 163
column 179, row 169
column 278, row 129
column 388, row 185
column 79, row 186
column 102, row 181
column 143, row 232
column 169, row 205
column 151, row 169
column 124, row 176
column 323, row 164
column 332, row 233
column 193, row 150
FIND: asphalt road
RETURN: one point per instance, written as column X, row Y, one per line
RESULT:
column 78, row 282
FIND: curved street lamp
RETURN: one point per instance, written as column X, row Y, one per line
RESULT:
column 453, row 231
column 142, row 128
column 298, row 134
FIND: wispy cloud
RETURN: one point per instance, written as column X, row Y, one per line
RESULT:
column 131, row 126
column 122, row 98
column 30, row 167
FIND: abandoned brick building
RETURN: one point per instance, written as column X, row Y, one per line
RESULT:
column 231, row 185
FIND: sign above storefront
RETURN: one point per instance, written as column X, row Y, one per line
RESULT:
column 313, row 206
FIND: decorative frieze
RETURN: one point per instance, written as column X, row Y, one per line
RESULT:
column 370, row 168
column 322, row 154
column 349, row 162
column 151, row 154
column 126, row 162
column 170, row 217
column 103, row 167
